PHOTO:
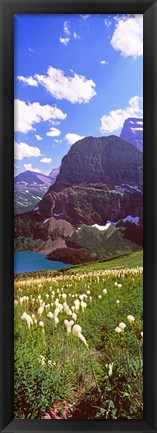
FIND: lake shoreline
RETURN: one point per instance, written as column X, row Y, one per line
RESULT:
column 31, row 261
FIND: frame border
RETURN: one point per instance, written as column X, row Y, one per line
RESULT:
column 7, row 10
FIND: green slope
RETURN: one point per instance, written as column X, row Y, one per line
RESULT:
column 129, row 261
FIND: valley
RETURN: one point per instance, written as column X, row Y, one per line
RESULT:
column 93, row 211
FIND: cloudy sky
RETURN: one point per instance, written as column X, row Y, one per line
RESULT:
column 75, row 76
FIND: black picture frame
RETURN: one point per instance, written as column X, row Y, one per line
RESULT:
column 149, row 10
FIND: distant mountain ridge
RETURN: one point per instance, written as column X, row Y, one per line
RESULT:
column 32, row 178
column 54, row 173
column 132, row 132
column 29, row 188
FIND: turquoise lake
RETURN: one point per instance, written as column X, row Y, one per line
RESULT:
column 28, row 261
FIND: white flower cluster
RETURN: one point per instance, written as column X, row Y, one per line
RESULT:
column 28, row 319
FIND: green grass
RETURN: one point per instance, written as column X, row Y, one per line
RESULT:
column 130, row 260
column 103, row 379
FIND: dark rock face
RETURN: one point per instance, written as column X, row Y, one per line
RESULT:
column 132, row 132
column 107, row 160
column 90, row 204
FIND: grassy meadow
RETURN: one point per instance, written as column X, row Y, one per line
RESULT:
column 79, row 341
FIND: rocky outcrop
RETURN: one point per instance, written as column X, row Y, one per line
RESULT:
column 90, row 204
column 108, row 160
column 132, row 132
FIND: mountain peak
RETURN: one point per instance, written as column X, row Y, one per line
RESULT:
column 132, row 132
column 108, row 160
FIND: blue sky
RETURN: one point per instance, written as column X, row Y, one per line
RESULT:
column 75, row 76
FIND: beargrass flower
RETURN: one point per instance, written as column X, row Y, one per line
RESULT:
column 77, row 304
column 24, row 315
column 50, row 315
column 83, row 305
column 60, row 306
column 56, row 320
column 34, row 318
column 40, row 310
column 122, row 325
column 77, row 333
column 41, row 359
column 41, row 324
column 141, row 334
column 56, row 312
column 69, row 312
column 118, row 330
column 15, row 302
column 110, row 369
column 105, row 291
column 28, row 319
column 130, row 318
column 68, row 325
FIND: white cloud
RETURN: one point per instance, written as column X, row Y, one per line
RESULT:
column 30, row 168
column 107, row 22
column 28, row 81
column 46, row 160
column 103, row 62
column 115, row 119
column 75, row 89
column 31, row 50
column 66, row 27
column 128, row 36
column 72, row 138
column 26, row 115
column 64, row 41
column 55, row 122
column 38, row 137
column 23, row 150
column 66, row 34
column 76, row 36
column 54, row 132
column 58, row 141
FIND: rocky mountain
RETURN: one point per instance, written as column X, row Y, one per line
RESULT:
column 32, row 178
column 29, row 188
column 132, row 132
column 89, row 204
column 108, row 160
column 99, row 183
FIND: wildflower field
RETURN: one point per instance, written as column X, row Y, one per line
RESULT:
column 78, row 342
